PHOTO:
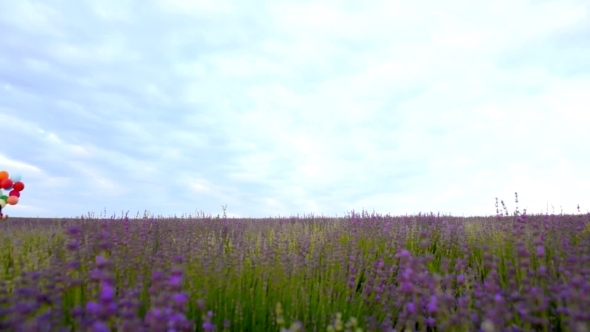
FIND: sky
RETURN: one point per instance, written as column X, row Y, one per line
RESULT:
column 286, row 108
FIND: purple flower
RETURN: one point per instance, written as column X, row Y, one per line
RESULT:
column 100, row 327
column 96, row 275
column 542, row 270
column 177, row 259
column 408, row 272
column 74, row 265
column 107, row 292
column 403, row 254
column 175, row 280
column 430, row 321
column 461, row 279
column 407, row 288
column 379, row 264
column 180, row 298
column 74, row 230
column 540, row 251
column 157, row 275
column 498, row 298
column 432, row 305
column 176, row 318
column 24, row 308
column 74, row 244
column 208, row 326
column 101, row 262
column 77, row 311
column 92, row 307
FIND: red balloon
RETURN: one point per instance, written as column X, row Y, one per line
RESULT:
column 18, row 186
column 14, row 193
column 12, row 200
column 6, row 183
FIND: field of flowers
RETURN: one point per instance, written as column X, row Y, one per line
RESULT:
column 361, row 272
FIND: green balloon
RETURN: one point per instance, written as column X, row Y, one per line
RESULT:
column 4, row 197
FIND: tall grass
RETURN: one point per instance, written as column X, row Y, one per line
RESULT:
column 362, row 272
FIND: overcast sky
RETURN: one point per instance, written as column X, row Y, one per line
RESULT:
column 279, row 108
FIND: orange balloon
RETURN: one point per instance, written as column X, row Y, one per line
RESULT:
column 3, row 175
column 12, row 200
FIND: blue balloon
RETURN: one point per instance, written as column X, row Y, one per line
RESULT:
column 16, row 177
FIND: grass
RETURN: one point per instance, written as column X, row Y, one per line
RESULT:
column 358, row 273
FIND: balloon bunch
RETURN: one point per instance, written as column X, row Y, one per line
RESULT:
column 14, row 185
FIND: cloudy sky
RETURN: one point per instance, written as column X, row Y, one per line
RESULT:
column 279, row 108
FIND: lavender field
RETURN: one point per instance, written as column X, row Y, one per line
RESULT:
column 362, row 272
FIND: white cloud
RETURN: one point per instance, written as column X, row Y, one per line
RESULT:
column 295, row 107
column 31, row 17
column 200, row 8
